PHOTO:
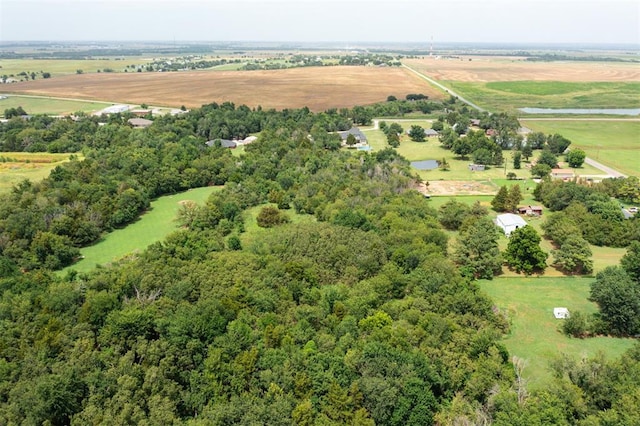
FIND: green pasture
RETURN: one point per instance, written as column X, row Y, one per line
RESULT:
column 534, row 335
column 67, row 66
column 158, row 222
column 50, row 106
column 511, row 95
column 613, row 143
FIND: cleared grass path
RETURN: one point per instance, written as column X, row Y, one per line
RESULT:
column 534, row 335
column 154, row 225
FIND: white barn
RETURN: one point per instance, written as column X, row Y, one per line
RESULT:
column 509, row 222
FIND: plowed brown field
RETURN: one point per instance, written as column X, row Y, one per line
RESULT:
column 317, row 88
column 483, row 69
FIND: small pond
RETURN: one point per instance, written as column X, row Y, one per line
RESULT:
column 425, row 164
column 612, row 111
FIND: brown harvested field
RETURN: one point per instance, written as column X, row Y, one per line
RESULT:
column 488, row 69
column 318, row 88
column 457, row 187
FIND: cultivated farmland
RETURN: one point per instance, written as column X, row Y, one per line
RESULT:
column 491, row 69
column 317, row 88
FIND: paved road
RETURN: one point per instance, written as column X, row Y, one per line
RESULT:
column 606, row 169
column 446, row 89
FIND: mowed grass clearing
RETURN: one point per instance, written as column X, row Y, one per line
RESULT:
column 18, row 166
column 158, row 222
column 50, row 106
column 254, row 234
column 318, row 88
column 534, row 335
column 511, row 95
column 613, row 143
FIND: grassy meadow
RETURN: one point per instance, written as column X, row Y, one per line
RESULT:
column 50, row 106
column 254, row 233
column 18, row 166
column 534, row 335
column 158, row 222
column 511, row 95
column 613, row 143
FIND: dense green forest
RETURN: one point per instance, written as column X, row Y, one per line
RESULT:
column 354, row 317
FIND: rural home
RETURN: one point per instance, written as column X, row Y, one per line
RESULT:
column 361, row 139
column 224, row 143
column 561, row 313
column 141, row 112
column 139, row 123
column 476, row 167
column 562, row 174
column 509, row 222
column 430, row 133
column 530, row 210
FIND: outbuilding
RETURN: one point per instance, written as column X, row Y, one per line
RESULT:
column 509, row 222
column 561, row 313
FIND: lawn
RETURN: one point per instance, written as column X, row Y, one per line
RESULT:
column 613, row 143
column 44, row 105
column 534, row 336
column 152, row 226
column 511, row 95
column 18, row 166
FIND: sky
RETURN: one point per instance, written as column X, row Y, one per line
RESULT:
column 485, row 21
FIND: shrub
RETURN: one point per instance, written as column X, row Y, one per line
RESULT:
column 270, row 217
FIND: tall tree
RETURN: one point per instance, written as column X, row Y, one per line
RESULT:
column 574, row 256
column 631, row 261
column 416, row 133
column 477, row 250
column 547, row 157
column 517, row 158
column 576, row 158
column 618, row 298
column 499, row 202
column 513, row 198
column 523, row 251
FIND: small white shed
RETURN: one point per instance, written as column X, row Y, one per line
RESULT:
column 509, row 222
column 561, row 313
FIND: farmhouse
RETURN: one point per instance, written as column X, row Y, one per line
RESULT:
column 114, row 109
column 361, row 139
column 430, row 133
column 139, row 123
column 563, row 174
column 530, row 210
column 509, row 222
column 224, row 143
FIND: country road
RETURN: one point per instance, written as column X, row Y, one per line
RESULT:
column 446, row 89
column 606, row 169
